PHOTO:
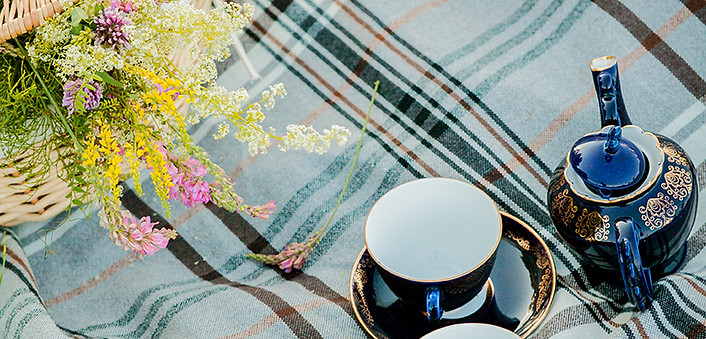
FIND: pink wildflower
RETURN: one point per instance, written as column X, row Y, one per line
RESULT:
column 187, row 177
column 293, row 256
column 263, row 212
column 91, row 97
column 189, row 186
column 195, row 192
column 195, row 167
column 126, row 6
column 178, row 179
column 296, row 254
column 159, row 240
column 141, row 236
column 110, row 28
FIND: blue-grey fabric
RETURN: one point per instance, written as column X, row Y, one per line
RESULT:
column 490, row 92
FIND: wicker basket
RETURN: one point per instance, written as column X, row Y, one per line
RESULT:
column 22, row 200
column 21, row 16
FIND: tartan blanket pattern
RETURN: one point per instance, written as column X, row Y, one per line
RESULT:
column 493, row 93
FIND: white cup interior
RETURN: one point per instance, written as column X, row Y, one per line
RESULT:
column 433, row 229
column 471, row 330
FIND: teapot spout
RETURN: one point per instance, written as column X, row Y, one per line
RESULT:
column 610, row 97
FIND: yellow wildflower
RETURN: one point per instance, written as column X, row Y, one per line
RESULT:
column 107, row 143
column 134, row 167
column 90, row 154
column 160, row 177
column 113, row 174
column 141, row 144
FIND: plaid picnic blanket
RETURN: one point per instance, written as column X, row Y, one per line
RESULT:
column 490, row 92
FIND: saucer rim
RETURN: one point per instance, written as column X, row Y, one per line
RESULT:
column 545, row 311
column 542, row 315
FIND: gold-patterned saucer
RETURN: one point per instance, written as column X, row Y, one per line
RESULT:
column 523, row 280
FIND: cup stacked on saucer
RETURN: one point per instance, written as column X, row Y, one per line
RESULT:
column 431, row 245
column 471, row 331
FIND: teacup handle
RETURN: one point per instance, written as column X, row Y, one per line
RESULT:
column 638, row 280
column 434, row 312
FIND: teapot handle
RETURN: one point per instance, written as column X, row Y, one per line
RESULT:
column 638, row 280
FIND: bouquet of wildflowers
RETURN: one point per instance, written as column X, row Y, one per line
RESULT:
column 96, row 84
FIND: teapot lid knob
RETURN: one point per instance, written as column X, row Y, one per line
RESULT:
column 607, row 163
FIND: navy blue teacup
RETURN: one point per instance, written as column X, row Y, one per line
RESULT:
column 434, row 242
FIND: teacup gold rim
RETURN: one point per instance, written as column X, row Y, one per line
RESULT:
column 613, row 59
column 490, row 294
column 632, row 195
column 467, row 272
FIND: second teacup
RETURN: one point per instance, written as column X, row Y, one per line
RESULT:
column 434, row 242
column 471, row 331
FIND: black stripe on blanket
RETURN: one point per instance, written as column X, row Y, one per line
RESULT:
column 189, row 257
column 258, row 244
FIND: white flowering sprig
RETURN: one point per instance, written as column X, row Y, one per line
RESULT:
column 247, row 119
column 295, row 254
column 307, row 138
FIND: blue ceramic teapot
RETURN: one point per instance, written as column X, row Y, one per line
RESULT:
column 624, row 199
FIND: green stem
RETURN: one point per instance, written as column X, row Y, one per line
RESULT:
column 319, row 233
column 57, row 109
column 4, row 255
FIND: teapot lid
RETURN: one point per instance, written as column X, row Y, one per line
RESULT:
column 609, row 164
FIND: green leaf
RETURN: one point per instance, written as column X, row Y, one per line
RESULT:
column 77, row 202
column 79, row 105
column 77, row 14
column 109, row 80
column 75, row 17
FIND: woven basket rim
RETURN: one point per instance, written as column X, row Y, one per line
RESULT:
column 21, row 16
